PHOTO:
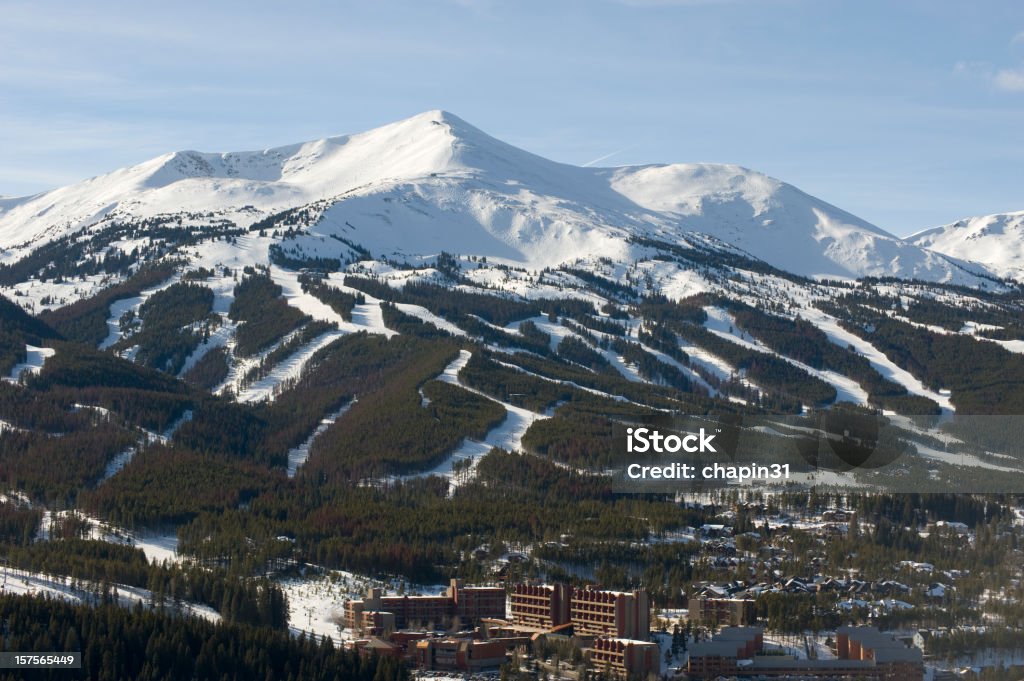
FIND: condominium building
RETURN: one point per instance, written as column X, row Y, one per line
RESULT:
column 473, row 603
column 721, row 655
column 718, row 612
column 592, row 612
column 896, row 661
column 460, row 654
column 596, row 612
column 540, row 606
column 377, row 613
column 863, row 652
column 624, row 657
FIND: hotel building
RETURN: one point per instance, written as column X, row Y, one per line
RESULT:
column 377, row 613
column 592, row 612
column 862, row 652
column 718, row 612
column 624, row 658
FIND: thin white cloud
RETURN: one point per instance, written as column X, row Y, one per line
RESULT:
column 972, row 68
column 1009, row 80
column 1004, row 79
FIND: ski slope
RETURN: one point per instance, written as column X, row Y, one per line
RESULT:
column 843, row 338
column 33, row 364
column 507, row 435
column 722, row 324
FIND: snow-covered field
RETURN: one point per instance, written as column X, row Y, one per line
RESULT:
column 430, row 318
column 21, row 582
column 558, row 333
column 960, row 459
column 316, row 600
column 122, row 459
column 366, row 317
column 157, row 547
column 316, row 606
column 687, row 371
column 509, row 434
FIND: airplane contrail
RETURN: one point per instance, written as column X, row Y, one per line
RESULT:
column 606, row 156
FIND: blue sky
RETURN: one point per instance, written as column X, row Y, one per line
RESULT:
column 907, row 113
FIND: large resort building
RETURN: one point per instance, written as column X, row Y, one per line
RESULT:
column 717, row 612
column 595, row 612
column 591, row 612
column 861, row 652
column 624, row 657
column 536, row 608
column 613, row 630
column 541, row 607
column 614, row 624
column 460, row 604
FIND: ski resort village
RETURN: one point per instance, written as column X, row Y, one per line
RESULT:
column 778, row 626
column 357, row 404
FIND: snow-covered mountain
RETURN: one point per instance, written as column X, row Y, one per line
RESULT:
column 433, row 182
column 236, row 272
column 997, row 241
column 780, row 224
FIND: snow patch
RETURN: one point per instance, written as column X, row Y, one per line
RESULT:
column 33, row 364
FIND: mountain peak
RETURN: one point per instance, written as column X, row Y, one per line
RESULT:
column 434, row 182
column 996, row 241
column 439, row 116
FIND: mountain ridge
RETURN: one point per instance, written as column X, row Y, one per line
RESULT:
column 995, row 240
column 402, row 185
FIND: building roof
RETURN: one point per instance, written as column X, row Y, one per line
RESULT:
column 375, row 643
column 787, row 661
column 885, row 647
column 739, row 633
column 715, row 649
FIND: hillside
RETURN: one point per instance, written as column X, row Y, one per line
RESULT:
column 996, row 241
